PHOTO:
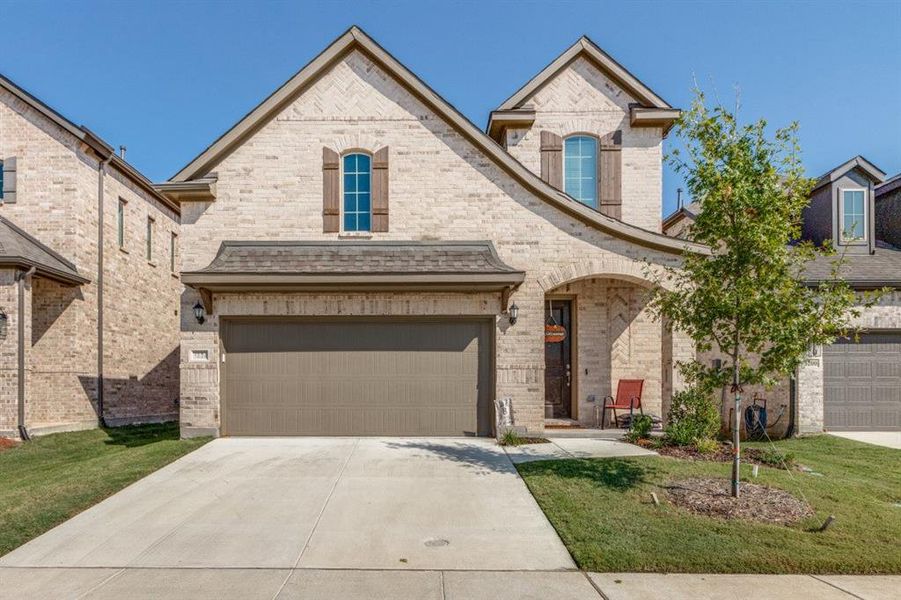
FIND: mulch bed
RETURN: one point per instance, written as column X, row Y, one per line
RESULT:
column 722, row 454
column 711, row 498
column 532, row 440
column 6, row 443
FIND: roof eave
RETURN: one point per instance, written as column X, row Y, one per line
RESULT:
column 501, row 120
column 665, row 118
column 45, row 271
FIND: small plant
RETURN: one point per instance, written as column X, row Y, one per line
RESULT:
column 776, row 458
column 640, row 428
column 692, row 416
column 511, row 438
column 706, row 445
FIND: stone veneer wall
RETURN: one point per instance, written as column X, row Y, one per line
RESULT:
column 442, row 188
column 57, row 181
column 581, row 99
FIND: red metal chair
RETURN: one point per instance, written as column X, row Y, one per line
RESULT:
column 628, row 396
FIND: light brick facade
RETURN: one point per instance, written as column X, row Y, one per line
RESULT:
column 442, row 188
column 57, row 203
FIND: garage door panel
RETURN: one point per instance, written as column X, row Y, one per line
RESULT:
column 355, row 377
column 862, row 383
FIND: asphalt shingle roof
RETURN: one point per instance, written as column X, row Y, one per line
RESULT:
column 882, row 268
column 18, row 248
column 358, row 257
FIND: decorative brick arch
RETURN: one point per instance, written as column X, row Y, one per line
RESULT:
column 615, row 267
column 359, row 141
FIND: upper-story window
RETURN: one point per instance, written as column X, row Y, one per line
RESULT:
column 357, row 215
column 853, row 215
column 580, row 169
column 149, row 249
column 120, row 223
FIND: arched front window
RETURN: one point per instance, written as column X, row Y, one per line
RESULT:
column 357, row 206
column 580, row 169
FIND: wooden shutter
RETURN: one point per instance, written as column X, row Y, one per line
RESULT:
column 9, row 179
column 552, row 159
column 380, row 190
column 610, row 175
column 331, row 191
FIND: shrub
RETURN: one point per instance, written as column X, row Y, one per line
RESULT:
column 511, row 438
column 692, row 416
column 640, row 428
column 776, row 458
column 706, row 445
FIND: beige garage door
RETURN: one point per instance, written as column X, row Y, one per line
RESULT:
column 862, row 383
column 356, row 377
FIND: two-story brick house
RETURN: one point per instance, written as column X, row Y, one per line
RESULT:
column 361, row 259
column 88, row 279
column 855, row 383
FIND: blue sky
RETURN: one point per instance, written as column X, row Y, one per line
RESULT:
column 167, row 78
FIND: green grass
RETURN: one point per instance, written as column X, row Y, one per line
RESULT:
column 603, row 511
column 49, row 479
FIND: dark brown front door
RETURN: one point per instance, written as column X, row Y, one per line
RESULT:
column 558, row 362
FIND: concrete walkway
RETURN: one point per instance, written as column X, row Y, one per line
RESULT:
column 572, row 447
column 889, row 439
column 332, row 584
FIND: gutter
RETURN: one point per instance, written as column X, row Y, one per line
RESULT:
column 101, row 174
column 21, row 276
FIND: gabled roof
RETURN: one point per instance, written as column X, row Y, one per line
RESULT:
column 356, row 39
column 18, row 249
column 859, row 162
column 588, row 49
column 88, row 137
column 689, row 211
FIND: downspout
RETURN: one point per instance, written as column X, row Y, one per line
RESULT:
column 101, row 172
column 21, row 276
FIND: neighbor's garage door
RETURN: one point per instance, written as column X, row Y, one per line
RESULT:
column 862, row 383
column 356, row 377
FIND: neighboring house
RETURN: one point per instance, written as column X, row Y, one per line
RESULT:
column 84, row 333
column 853, row 384
column 888, row 211
column 361, row 259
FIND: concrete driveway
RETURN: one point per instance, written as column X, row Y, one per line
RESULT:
column 307, row 503
column 889, row 439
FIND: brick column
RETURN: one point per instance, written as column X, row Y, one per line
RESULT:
column 809, row 400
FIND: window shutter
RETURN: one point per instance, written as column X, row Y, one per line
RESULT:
column 610, row 175
column 9, row 179
column 552, row 159
column 331, row 191
column 380, row 190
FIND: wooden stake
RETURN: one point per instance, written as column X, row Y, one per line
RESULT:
column 828, row 522
column 655, row 499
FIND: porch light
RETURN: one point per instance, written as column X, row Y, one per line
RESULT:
column 513, row 313
column 199, row 313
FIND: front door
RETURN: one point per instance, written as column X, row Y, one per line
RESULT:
column 558, row 362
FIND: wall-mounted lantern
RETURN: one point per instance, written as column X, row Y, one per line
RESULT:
column 199, row 313
column 513, row 313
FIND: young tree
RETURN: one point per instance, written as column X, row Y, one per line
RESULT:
column 747, row 299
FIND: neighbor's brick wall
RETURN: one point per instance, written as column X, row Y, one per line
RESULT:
column 270, row 188
column 581, row 99
column 57, row 188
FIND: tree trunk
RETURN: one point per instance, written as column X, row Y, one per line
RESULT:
column 736, row 426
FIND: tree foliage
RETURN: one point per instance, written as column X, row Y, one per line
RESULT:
column 748, row 298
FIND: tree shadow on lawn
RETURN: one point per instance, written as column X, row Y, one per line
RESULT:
column 613, row 473
column 135, row 436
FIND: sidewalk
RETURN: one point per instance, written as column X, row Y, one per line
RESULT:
column 352, row 584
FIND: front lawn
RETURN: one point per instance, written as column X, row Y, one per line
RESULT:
column 50, row 479
column 603, row 511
